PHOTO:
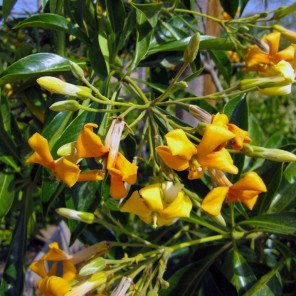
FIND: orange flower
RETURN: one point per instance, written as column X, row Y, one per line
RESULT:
column 246, row 190
column 180, row 154
column 258, row 60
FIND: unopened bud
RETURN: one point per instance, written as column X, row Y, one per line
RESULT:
column 243, row 29
column 96, row 265
column 278, row 155
column 283, row 11
column 67, row 149
column 192, row 48
column 201, row 114
column 76, row 70
column 76, row 215
column 263, row 14
column 62, row 106
column 285, row 33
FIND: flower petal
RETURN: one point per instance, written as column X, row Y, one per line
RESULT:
column 128, row 170
column 251, row 181
column 92, row 175
column 42, row 154
column 241, row 136
column 136, row 205
column 152, row 195
column 220, row 160
column 213, row 137
column 174, row 162
column 69, row 270
column 180, row 207
column 179, row 144
column 213, row 201
column 171, row 191
column 54, row 253
column 161, row 221
column 66, row 171
column 273, row 41
column 39, row 268
column 54, row 286
column 89, row 144
column 249, row 203
column 220, row 119
column 117, row 188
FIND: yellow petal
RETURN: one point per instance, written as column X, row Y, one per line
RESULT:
column 276, row 90
column 256, row 58
column 286, row 54
column 69, row 270
column 92, row 175
column 66, row 171
column 220, row 119
column 179, row 144
column 55, row 253
column 251, row 181
column 54, row 286
column 241, row 136
column 180, row 207
column 161, row 221
column 175, row 162
column 273, row 41
column 249, row 203
column 89, row 144
column 42, row 154
column 220, row 160
column 152, row 195
column 213, row 201
column 117, row 189
column 39, row 268
column 213, row 137
column 128, row 170
column 136, row 205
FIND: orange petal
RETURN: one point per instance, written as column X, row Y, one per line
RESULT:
column 255, row 58
column 92, row 175
column 220, row 160
column 241, row 136
column 54, row 253
column 66, row 171
column 136, row 205
column 213, row 201
column 179, row 144
column 69, row 270
column 89, row 144
column 251, row 181
column 39, row 268
column 42, row 154
column 54, row 286
column 220, row 119
column 213, row 137
column 152, row 195
column 273, row 41
column 175, row 162
column 286, row 54
column 128, row 170
column 249, row 203
column 117, row 188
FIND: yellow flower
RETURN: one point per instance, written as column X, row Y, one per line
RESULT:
column 180, row 154
column 160, row 203
column 258, row 60
column 246, row 190
column 56, row 85
column 53, row 286
column 63, row 168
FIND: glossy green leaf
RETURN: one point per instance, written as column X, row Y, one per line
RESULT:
column 116, row 13
column 7, row 6
column 13, row 276
column 265, row 285
column 104, row 38
column 222, row 63
column 230, row 106
column 6, row 193
column 243, row 276
column 230, row 6
column 279, row 223
column 52, row 21
column 146, row 16
column 34, row 65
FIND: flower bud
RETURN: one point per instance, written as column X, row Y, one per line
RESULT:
column 283, row 11
column 62, row 106
column 287, row 34
column 67, row 149
column 76, row 70
column 76, row 215
column 96, row 265
column 273, row 154
column 192, row 48
column 201, row 114
column 58, row 86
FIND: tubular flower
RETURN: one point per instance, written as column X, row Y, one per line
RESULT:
column 241, row 136
column 58, row 86
column 246, row 190
column 160, row 203
column 180, row 154
column 260, row 61
column 51, row 284
column 64, row 168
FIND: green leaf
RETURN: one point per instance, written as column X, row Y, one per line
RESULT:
column 186, row 280
column 222, row 63
column 103, row 41
column 7, row 6
column 6, row 193
column 33, row 66
column 13, row 276
column 116, row 13
column 277, row 223
column 147, row 16
column 243, row 276
column 230, row 106
column 52, row 21
column 265, row 286
column 230, row 6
